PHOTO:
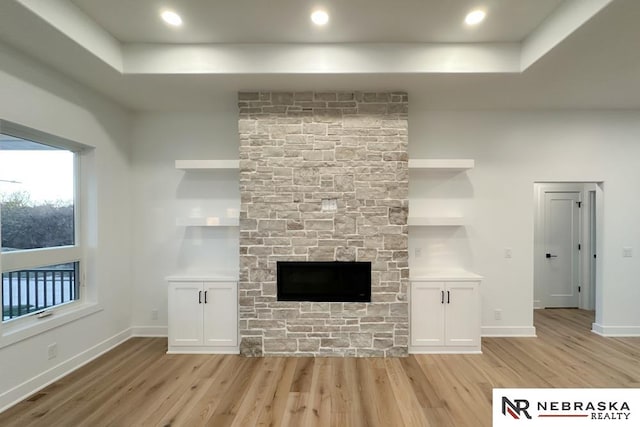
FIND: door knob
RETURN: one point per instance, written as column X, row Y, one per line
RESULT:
column 552, row 256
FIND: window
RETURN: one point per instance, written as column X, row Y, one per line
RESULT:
column 40, row 255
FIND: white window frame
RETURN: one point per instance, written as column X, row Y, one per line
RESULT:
column 15, row 330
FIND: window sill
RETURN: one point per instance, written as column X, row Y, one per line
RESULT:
column 12, row 334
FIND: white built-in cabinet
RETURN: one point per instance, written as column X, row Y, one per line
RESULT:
column 445, row 314
column 444, row 304
column 203, row 314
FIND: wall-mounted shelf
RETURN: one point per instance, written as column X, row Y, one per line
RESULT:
column 445, row 221
column 208, row 221
column 442, row 164
column 201, row 277
column 207, row 164
column 456, row 275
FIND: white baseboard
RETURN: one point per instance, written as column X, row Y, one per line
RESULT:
column 615, row 331
column 149, row 331
column 444, row 350
column 509, row 331
column 27, row 388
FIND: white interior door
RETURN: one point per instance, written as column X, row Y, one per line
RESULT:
column 561, row 240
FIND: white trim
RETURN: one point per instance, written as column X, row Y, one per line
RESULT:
column 509, row 331
column 615, row 331
column 44, row 138
column 33, row 385
column 149, row 331
column 30, row 258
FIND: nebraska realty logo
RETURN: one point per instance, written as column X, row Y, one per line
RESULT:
column 566, row 407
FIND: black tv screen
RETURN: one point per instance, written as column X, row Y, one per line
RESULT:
column 324, row 281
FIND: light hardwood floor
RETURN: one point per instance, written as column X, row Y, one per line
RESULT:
column 138, row 384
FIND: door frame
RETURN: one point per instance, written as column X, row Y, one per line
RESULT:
column 585, row 267
column 591, row 225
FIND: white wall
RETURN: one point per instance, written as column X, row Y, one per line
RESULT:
column 37, row 97
column 512, row 150
column 163, row 194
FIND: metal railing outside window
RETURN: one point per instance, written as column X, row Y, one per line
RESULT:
column 34, row 290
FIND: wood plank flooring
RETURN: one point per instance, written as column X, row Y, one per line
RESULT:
column 137, row 384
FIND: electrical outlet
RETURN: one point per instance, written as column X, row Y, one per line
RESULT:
column 329, row 205
column 52, row 351
column 418, row 252
column 497, row 314
column 627, row 252
column 154, row 314
column 508, row 252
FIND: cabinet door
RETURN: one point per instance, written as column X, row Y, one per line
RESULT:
column 427, row 314
column 185, row 313
column 462, row 317
column 220, row 314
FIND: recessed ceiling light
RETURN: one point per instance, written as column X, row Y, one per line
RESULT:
column 475, row 17
column 171, row 18
column 320, row 17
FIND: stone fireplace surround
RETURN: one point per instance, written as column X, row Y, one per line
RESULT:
column 298, row 149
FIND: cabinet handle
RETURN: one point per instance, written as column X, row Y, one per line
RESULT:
column 205, row 296
column 441, row 297
column 448, row 297
column 199, row 297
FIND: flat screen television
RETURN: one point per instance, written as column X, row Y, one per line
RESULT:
column 324, row 281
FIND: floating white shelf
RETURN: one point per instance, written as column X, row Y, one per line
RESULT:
column 444, row 275
column 207, row 164
column 445, row 221
column 208, row 221
column 201, row 277
column 442, row 164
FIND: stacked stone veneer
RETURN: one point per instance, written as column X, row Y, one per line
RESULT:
column 296, row 149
